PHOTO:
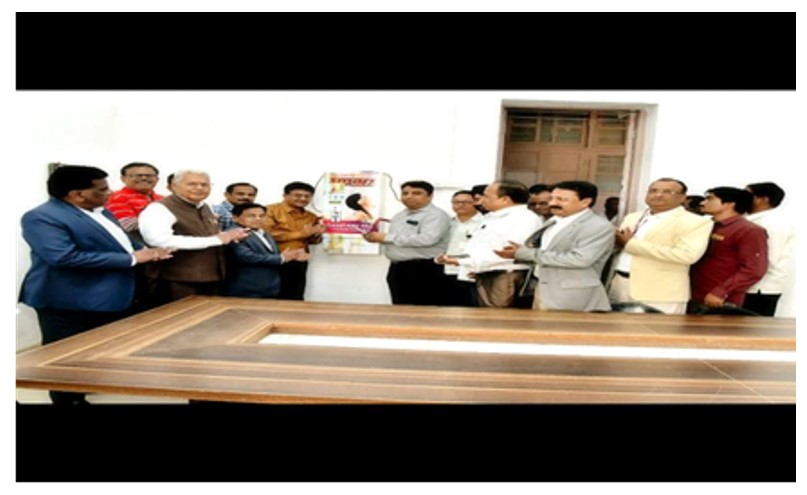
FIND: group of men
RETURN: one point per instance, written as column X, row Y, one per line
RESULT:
column 97, row 256
column 543, row 247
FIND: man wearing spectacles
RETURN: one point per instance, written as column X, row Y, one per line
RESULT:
column 463, row 225
column 658, row 246
column 126, row 204
column 737, row 255
column 540, row 194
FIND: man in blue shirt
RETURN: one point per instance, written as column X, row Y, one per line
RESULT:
column 239, row 193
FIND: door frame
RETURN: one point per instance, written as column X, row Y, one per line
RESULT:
column 638, row 149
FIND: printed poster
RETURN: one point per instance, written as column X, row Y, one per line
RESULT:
column 353, row 208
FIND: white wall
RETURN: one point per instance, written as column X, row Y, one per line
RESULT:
column 449, row 138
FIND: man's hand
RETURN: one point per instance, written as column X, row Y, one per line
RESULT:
column 713, row 301
column 509, row 251
column 375, row 237
column 314, row 230
column 233, row 235
column 623, row 236
column 147, row 255
column 445, row 259
column 294, row 255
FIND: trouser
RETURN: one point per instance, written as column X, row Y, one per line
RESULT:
column 419, row 282
column 762, row 304
column 619, row 292
column 58, row 324
column 292, row 280
column 142, row 296
column 498, row 289
column 460, row 292
column 166, row 291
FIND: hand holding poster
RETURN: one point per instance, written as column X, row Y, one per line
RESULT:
column 353, row 209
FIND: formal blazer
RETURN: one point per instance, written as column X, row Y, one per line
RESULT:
column 571, row 264
column 75, row 263
column 252, row 268
column 661, row 258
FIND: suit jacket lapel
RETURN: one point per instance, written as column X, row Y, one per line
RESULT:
column 257, row 242
column 272, row 243
column 85, row 220
column 569, row 230
column 538, row 234
column 663, row 225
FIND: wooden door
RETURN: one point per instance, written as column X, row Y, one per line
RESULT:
column 549, row 146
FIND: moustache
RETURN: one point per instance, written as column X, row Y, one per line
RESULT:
column 555, row 207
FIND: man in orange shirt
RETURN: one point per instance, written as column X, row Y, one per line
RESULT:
column 293, row 227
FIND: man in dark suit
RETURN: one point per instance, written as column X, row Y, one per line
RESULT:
column 82, row 262
column 252, row 264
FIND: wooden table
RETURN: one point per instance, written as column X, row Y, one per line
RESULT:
column 207, row 348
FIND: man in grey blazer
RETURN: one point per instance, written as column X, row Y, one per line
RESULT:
column 569, row 251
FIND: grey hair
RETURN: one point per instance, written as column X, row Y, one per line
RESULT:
column 178, row 176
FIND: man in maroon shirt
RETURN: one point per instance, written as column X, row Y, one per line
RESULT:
column 737, row 256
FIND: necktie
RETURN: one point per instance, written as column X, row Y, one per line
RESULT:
column 534, row 241
column 262, row 236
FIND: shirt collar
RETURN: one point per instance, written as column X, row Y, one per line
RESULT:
column 760, row 214
column 729, row 221
column 129, row 190
column 476, row 216
column 570, row 218
column 506, row 211
column 196, row 205
column 95, row 211
column 662, row 214
column 291, row 209
column 412, row 212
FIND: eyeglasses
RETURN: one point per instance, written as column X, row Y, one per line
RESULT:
column 539, row 203
column 142, row 176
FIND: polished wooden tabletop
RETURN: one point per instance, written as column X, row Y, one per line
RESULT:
column 208, row 348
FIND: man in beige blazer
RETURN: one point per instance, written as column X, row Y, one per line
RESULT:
column 658, row 246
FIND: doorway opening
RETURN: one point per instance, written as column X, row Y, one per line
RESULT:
column 549, row 144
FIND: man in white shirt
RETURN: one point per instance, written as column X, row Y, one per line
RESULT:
column 763, row 296
column 498, row 280
column 466, row 221
column 184, row 222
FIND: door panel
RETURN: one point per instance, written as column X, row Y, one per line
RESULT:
column 549, row 146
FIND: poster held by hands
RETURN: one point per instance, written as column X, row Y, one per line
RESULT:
column 353, row 209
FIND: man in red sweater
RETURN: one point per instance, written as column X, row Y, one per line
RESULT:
column 126, row 204
column 139, row 180
column 737, row 256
